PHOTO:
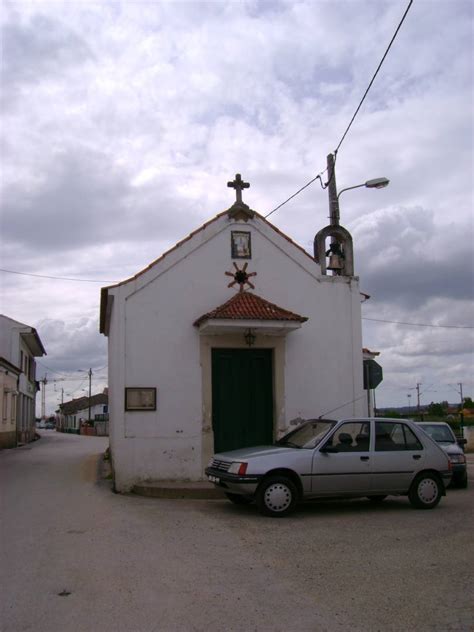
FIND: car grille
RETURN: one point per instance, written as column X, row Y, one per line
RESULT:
column 223, row 466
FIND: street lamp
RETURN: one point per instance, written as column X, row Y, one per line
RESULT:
column 340, row 252
column 376, row 183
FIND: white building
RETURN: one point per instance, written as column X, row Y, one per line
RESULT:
column 19, row 345
column 75, row 412
column 9, row 375
column 225, row 341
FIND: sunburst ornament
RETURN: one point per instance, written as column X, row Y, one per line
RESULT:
column 241, row 277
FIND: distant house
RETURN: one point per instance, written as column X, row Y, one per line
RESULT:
column 20, row 344
column 227, row 340
column 71, row 414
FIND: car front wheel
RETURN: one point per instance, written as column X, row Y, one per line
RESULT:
column 425, row 491
column 277, row 496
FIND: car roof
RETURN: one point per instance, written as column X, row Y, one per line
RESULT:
column 432, row 423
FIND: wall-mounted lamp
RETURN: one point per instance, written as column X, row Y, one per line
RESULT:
column 249, row 337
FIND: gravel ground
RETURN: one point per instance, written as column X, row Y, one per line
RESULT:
column 136, row 564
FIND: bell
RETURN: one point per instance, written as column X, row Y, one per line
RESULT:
column 335, row 262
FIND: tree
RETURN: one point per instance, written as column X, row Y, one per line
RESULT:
column 468, row 403
column 436, row 410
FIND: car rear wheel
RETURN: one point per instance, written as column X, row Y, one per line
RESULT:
column 238, row 499
column 277, row 496
column 425, row 491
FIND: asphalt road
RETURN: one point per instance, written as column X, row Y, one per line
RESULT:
column 77, row 558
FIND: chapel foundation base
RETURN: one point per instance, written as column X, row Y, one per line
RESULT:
column 194, row 490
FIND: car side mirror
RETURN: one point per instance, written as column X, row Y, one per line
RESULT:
column 462, row 441
column 329, row 449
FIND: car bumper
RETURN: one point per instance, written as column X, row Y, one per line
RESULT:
column 233, row 483
column 458, row 472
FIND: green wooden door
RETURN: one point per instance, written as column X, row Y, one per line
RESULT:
column 242, row 398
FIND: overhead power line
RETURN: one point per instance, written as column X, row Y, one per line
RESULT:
column 295, row 194
column 375, row 74
column 324, row 186
column 60, row 278
column 397, row 322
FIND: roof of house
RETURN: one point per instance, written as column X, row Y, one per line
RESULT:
column 29, row 335
column 104, row 290
column 247, row 306
column 82, row 403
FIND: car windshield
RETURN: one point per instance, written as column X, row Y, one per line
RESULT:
column 441, row 434
column 308, row 435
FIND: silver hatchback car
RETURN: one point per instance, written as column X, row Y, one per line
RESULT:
column 324, row 458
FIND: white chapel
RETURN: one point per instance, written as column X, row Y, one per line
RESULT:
column 228, row 340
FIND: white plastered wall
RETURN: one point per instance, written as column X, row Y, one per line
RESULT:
column 153, row 342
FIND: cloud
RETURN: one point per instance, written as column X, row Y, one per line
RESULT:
column 36, row 50
column 124, row 121
column 407, row 259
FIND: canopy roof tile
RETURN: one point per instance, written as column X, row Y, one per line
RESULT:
column 248, row 306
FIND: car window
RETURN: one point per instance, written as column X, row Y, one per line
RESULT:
column 393, row 436
column 308, row 434
column 351, row 436
column 442, row 434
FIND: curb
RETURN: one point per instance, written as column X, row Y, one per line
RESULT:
column 195, row 491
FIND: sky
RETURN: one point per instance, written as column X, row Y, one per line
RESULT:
column 121, row 123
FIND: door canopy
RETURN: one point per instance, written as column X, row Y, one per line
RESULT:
column 246, row 311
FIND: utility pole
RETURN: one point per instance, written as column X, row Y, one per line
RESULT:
column 461, row 416
column 332, row 192
column 90, row 393
column 44, row 381
column 418, row 397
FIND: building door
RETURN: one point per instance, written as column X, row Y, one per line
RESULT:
column 242, row 398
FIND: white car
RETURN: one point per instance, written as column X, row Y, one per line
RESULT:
column 325, row 458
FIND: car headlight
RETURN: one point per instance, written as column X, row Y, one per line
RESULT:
column 238, row 467
column 457, row 458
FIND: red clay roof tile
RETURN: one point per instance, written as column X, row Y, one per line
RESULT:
column 247, row 306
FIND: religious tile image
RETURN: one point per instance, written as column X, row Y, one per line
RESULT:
column 241, row 245
column 140, row 399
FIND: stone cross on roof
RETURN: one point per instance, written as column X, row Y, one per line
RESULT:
column 238, row 184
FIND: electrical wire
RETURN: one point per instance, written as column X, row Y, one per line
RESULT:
column 297, row 192
column 375, row 74
column 342, row 406
column 60, row 278
column 397, row 322
column 325, row 185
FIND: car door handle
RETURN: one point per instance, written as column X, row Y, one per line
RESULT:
column 417, row 456
column 364, row 458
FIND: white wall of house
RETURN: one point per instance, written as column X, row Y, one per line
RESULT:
column 73, row 420
column 152, row 342
column 14, row 347
column 8, row 405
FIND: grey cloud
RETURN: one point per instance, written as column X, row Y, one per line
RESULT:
column 73, row 346
column 404, row 259
column 85, row 199
column 41, row 48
